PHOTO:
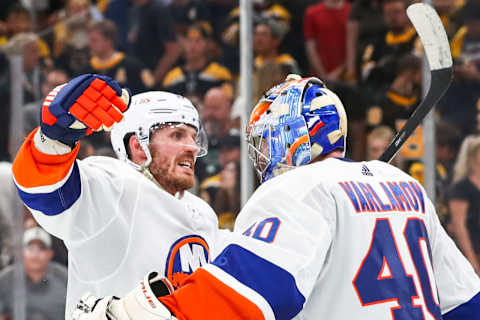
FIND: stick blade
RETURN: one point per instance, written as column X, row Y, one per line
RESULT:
column 432, row 34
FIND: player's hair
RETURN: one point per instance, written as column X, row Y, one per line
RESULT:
column 468, row 150
column 126, row 142
column 381, row 132
column 106, row 27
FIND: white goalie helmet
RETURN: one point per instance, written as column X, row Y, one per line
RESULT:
column 150, row 110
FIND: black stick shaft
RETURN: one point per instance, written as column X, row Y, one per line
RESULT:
column 441, row 79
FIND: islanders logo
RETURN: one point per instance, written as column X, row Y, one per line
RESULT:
column 185, row 256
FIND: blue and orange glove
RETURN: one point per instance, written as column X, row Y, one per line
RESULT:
column 87, row 103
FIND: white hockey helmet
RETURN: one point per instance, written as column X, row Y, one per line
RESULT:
column 148, row 111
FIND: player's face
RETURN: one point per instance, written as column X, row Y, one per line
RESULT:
column 173, row 151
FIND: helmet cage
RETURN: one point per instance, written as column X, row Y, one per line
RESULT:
column 275, row 148
column 201, row 140
column 295, row 122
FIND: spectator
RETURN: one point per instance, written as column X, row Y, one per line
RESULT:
column 449, row 12
column 228, row 150
column 267, row 38
column 6, row 214
column 118, row 11
column 104, row 59
column 188, row 12
column 19, row 21
column 53, row 78
column 447, row 142
column 325, row 31
column 227, row 198
column 5, row 107
column 364, row 25
column 231, row 30
column 460, row 103
column 216, row 117
column 394, row 102
column 293, row 43
column 27, row 44
column 199, row 73
column 381, row 55
column 4, row 6
column 60, row 253
column 377, row 141
column 46, row 281
column 152, row 37
column 70, row 46
column 215, row 113
column 464, row 201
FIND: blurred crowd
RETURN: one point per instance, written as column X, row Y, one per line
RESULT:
column 365, row 50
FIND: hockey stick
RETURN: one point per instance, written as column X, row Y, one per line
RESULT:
column 437, row 51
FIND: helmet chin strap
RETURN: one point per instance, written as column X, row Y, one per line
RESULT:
column 143, row 140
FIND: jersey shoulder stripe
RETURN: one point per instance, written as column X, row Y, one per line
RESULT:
column 468, row 310
column 57, row 201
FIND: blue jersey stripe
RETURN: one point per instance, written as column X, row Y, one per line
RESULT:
column 468, row 310
column 275, row 284
column 55, row 202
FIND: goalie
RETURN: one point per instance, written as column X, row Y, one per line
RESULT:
column 322, row 237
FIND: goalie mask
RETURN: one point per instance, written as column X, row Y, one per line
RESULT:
column 294, row 123
column 152, row 110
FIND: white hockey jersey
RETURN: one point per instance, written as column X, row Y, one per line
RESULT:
column 335, row 240
column 116, row 224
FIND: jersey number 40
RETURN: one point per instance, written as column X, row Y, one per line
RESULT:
column 382, row 276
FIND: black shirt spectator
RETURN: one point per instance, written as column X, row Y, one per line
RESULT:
column 199, row 73
column 465, row 190
column 152, row 36
column 125, row 69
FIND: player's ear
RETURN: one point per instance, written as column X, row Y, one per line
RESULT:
column 137, row 155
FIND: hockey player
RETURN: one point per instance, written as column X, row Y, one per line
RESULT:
column 331, row 239
column 118, row 223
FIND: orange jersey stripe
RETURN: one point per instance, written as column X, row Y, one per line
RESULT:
column 203, row 296
column 32, row 168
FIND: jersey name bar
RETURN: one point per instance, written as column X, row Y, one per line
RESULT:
column 387, row 196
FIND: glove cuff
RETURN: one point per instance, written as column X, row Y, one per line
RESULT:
column 47, row 145
column 143, row 302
